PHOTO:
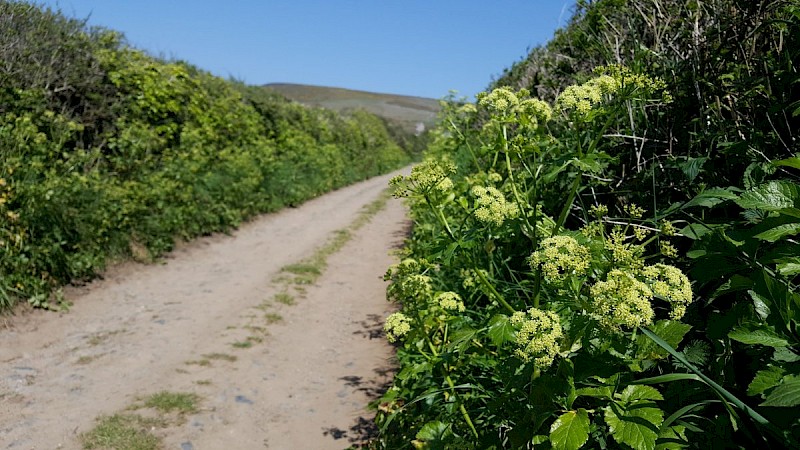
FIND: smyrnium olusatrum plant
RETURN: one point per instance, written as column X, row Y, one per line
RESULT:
column 524, row 297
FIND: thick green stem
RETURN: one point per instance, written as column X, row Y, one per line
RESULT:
column 461, row 408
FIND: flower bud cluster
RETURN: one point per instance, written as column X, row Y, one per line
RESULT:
column 424, row 178
column 396, row 326
column 506, row 105
column 450, row 301
column 559, row 257
column 538, row 336
column 492, row 207
column 670, row 284
column 582, row 98
column 622, row 301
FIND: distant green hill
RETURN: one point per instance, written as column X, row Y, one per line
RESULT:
column 407, row 111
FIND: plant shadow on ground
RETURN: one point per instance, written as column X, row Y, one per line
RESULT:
column 364, row 429
column 372, row 327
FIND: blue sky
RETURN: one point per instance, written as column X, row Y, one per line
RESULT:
column 412, row 47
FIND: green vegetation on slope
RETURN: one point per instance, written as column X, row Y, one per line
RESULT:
column 401, row 109
column 107, row 153
column 613, row 261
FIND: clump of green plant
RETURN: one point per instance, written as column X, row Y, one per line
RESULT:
column 123, row 432
column 168, row 402
column 542, row 306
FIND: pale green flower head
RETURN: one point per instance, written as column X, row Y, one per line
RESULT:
column 397, row 325
column 560, row 257
column 535, row 110
column 623, row 254
column 501, row 102
column 450, row 301
column 492, row 207
column 538, row 336
column 669, row 283
column 425, row 177
column 622, row 301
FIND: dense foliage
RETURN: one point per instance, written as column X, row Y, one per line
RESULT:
column 611, row 263
column 107, row 153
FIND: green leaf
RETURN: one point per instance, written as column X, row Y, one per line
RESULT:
column 765, row 379
column 434, row 431
column 635, row 393
column 760, row 304
column 789, row 267
column 757, row 335
column 711, row 197
column 570, row 431
column 793, row 162
column 786, row 394
column 772, row 196
column 637, row 427
column 773, row 234
column 501, row 330
column 671, row 331
column 692, row 167
column 671, row 438
column 599, row 392
column 695, row 231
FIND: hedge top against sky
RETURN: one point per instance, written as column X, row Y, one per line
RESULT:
column 413, row 47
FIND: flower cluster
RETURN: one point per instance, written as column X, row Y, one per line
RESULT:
column 504, row 104
column 560, row 257
column 538, row 335
column 672, row 285
column 491, row 206
column 501, row 102
column 623, row 254
column 582, row 98
column 622, row 301
column 396, row 326
column 425, row 177
column 450, row 301
column 407, row 281
column 625, row 78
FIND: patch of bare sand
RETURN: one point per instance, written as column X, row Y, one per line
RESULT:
column 143, row 329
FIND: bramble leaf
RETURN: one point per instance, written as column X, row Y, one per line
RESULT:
column 570, row 431
column 786, row 394
column 758, row 334
column 771, row 196
column 765, row 379
column 501, row 330
column 773, row 234
column 637, row 426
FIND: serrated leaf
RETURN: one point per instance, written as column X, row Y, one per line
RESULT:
column 758, row 335
column 599, row 392
column 671, row 331
column 692, row 167
column 711, row 197
column 789, row 267
column 671, row 438
column 694, row 231
column 637, row 392
column 783, row 354
column 501, row 330
column 637, row 427
column 760, row 304
column 786, row 394
column 765, row 379
column 772, row 196
column 570, row 431
column 773, row 234
column 434, row 431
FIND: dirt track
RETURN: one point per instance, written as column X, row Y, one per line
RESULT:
column 149, row 328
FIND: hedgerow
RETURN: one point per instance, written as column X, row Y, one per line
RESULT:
column 108, row 153
column 596, row 267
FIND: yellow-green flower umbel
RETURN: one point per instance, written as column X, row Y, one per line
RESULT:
column 560, row 257
column 396, row 326
column 622, row 301
column 670, row 284
column 491, row 206
column 538, row 336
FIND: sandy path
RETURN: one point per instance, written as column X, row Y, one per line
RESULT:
column 130, row 335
